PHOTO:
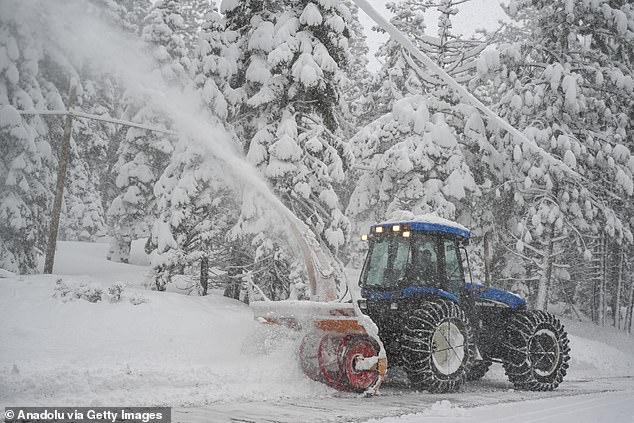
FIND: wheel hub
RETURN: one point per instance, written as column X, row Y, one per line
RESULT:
column 544, row 352
column 448, row 349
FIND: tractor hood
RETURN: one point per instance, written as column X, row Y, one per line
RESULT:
column 496, row 297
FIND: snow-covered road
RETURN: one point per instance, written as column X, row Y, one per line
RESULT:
column 491, row 400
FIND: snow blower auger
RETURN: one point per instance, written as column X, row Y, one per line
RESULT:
column 340, row 347
column 336, row 348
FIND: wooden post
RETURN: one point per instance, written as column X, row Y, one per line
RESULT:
column 64, row 158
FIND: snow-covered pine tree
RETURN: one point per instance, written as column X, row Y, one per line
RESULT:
column 396, row 77
column 569, row 87
column 414, row 162
column 359, row 76
column 197, row 210
column 197, row 205
column 215, row 64
column 194, row 14
column 82, row 216
column 164, row 28
column 143, row 155
column 26, row 156
column 126, row 14
column 403, row 81
column 289, row 86
column 104, row 95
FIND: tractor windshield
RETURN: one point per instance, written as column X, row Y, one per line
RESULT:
column 420, row 259
column 386, row 263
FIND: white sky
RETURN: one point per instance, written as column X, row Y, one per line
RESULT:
column 473, row 15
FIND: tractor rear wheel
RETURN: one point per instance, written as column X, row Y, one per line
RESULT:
column 478, row 369
column 535, row 351
column 438, row 346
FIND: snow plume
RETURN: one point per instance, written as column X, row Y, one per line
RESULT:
column 67, row 26
column 70, row 28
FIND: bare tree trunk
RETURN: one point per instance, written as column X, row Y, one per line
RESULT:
column 234, row 273
column 602, row 276
column 595, row 278
column 619, row 286
column 204, row 274
column 630, row 308
column 488, row 258
column 541, row 303
column 628, row 318
column 64, row 159
column 595, row 317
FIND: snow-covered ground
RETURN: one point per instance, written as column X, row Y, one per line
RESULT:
column 172, row 349
column 208, row 358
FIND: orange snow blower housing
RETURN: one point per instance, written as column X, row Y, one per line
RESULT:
column 336, row 348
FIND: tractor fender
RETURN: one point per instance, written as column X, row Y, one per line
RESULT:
column 495, row 297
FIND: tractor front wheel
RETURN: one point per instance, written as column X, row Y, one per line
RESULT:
column 438, row 346
column 535, row 351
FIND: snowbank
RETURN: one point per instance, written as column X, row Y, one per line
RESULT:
column 599, row 352
column 168, row 349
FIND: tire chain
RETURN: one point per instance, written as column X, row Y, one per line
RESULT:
column 517, row 365
column 417, row 346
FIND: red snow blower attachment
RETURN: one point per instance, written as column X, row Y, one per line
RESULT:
column 336, row 349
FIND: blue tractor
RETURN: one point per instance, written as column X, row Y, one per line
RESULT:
column 442, row 330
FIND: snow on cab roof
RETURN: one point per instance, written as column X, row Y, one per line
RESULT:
column 427, row 222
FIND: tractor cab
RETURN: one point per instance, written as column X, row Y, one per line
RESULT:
column 425, row 255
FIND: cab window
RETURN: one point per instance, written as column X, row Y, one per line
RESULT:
column 423, row 262
column 453, row 269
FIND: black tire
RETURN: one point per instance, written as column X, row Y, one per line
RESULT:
column 478, row 369
column 437, row 346
column 535, row 351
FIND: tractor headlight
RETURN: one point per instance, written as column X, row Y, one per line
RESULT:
column 393, row 306
column 378, row 229
column 396, row 228
column 364, row 237
column 363, row 304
